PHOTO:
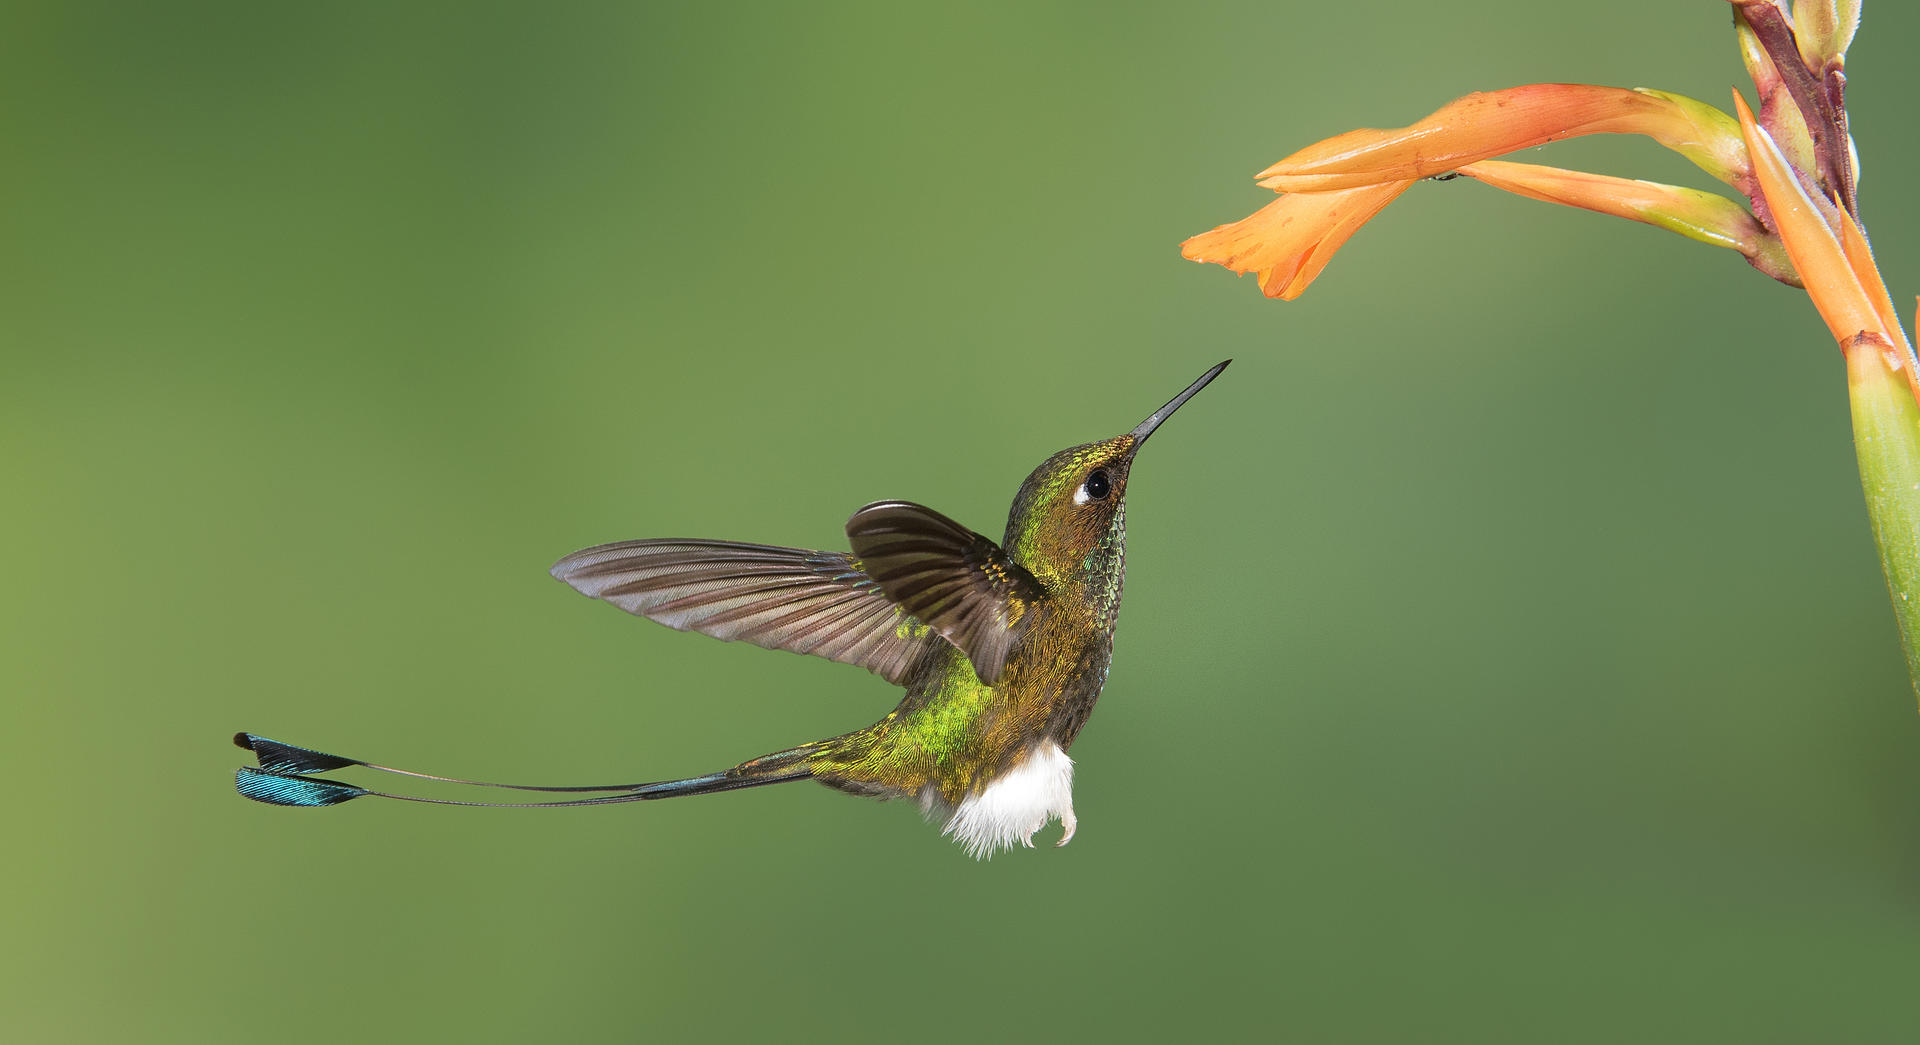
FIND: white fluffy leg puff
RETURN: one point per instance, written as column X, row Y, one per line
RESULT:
column 1014, row 808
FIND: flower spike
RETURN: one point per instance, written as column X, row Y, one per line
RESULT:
column 1796, row 165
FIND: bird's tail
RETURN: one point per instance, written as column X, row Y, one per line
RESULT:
column 284, row 778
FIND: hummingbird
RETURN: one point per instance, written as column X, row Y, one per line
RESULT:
column 1003, row 649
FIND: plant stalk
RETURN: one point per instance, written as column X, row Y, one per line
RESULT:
column 1886, row 437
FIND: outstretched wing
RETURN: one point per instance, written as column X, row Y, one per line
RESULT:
column 820, row 603
column 962, row 584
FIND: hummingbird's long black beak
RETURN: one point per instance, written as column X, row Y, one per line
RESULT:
column 1145, row 428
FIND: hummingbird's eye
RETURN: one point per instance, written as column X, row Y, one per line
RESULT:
column 1098, row 486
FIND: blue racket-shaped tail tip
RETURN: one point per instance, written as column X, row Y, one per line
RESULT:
column 291, row 790
column 275, row 757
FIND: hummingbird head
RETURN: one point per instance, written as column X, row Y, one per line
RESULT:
column 1068, row 524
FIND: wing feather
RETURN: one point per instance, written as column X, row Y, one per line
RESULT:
column 812, row 602
column 959, row 582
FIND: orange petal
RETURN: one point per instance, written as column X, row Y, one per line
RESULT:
column 1697, row 215
column 1289, row 241
column 1491, row 123
column 1811, row 242
column 1867, row 274
column 1694, row 214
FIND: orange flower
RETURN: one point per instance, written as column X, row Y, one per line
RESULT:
column 1332, row 188
column 1493, row 123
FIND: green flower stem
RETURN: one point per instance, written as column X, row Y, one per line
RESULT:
column 1886, row 436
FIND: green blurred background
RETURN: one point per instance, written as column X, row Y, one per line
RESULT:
column 1505, row 656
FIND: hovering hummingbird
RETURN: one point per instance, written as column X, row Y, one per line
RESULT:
column 1002, row 648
